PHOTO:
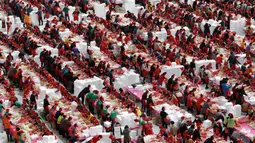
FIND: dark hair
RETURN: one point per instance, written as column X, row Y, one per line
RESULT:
column 126, row 127
column 172, row 122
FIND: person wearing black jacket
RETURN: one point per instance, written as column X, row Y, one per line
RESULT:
column 239, row 98
column 232, row 60
column 110, row 75
column 152, row 69
column 33, row 97
column 83, row 93
column 70, row 78
column 149, row 104
column 56, row 117
column 196, row 134
column 206, row 29
column 144, row 98
column 209, row 140
column 163, row 116
column 192, row 67
column 46, row 104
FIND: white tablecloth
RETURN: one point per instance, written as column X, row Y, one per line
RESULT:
column 174, row 113
column 204, row 62
column 2, row 29
column 190, row 2
column 252, row 21
column 126, row 79
column 70, row 12
column 48, row 48
column 241, row 58
column 100, row 10
column 238, row 26
column 162, row 35
column 65, row 34
column 117, row 1
column 174, row 30
column 82, row 47
column 129, row 5
column 80, row 84
column 170, row 70
column 84, row 16
column 136, row 11
column 213, row 24
column 2, row 15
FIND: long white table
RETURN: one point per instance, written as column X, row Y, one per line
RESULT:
column 238, row 26
column 204, row 62
column 172, row 70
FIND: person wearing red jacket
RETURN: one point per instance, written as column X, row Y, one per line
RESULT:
column 199, row 102
column 218, row 60
column 9, row 24
column 161, row 79
column 157, row 72
column 127, row 38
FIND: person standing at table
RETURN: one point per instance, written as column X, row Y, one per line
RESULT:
column 46, row 104
column 199, row 102
column 27, row 20
column 9, row 24
column 56, row 117
column 196, row 134
column 192, row 68
column 113, row 116
column 83, row 93
column 66, row 12
column 144, row 99
column 230, row 124
column 1, row 108
column 15, row 102
column 76, row 15
column 225, row 88
column 207, row 30
column 42, row 56
column 99, row 106
column 92, row 98
column 7, row 127
column 205, row 108
column 126, row 133
column 219, row 60
column 149, row 105
column 163, row 116
column 88, row 98
column 21, row 135
column 162, row 77
column 59, row 119
column 170, row 82
column 73, row 130
column 157, row 72
column 33, row 97
column 40, row 16
column 62, row 125
column 15, row 135
column 110, row 74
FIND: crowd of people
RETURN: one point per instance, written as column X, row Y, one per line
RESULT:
column 184, row 130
